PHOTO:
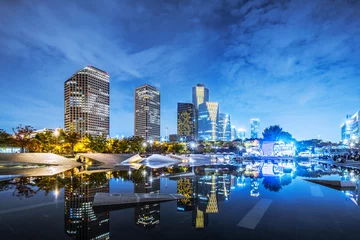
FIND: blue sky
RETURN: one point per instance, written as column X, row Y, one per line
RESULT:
column 286, row 62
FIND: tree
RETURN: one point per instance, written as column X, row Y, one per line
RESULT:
column 5, row 138
column 22, row 136
column 272, row 133
column 97, row 143
column 285, row 137
column 46, row 140
column 71, row 138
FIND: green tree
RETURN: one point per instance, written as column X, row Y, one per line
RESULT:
column 71, row 137
column 5, row 138
column 97, row 144
column 272, row 133
column 22, row 136
column 46, row 141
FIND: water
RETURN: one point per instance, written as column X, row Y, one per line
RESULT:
column 225, row 202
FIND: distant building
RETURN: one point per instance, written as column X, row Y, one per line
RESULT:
column 200, row 94
column 255, row 125
column 350, row 129
column 87, row 102
column 233, row 133
column 173, row 138
column 241, row 134
column 147, row 112
column 186, row 120
column 208, row 116
column 224, row 127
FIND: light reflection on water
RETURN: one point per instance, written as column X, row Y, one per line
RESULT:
column 213, row 192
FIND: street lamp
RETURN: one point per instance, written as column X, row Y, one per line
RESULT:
column 151, row 144
column 193, row 146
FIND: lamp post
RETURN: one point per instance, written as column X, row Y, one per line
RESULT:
column 144, row 145
column 193, row 146
column 151, row 144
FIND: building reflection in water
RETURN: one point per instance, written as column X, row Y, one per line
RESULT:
column 203, row 194
column 147, row 216
column 81, row 222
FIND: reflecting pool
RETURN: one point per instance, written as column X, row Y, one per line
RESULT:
column 249, row 200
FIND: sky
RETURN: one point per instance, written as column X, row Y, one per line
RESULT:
column 291, row 63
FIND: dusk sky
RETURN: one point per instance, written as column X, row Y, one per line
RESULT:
column 291, row 63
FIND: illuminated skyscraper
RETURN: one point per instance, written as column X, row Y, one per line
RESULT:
column 200, row 94
column 255, row 125
column 350, row 129
column 241, row 134
column 224, row 127
column 233, row 133
column 186, row 187
column 147, row 112
column 186, row 120
column 87, row 102
column 208, row 116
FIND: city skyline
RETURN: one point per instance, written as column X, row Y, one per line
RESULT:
column 258, row 60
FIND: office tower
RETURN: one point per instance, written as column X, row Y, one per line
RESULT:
column 255, row 125
column 208, row 121
column 233, row 133
column 241, row 134
column 147, row 112
column 200, row 94
column 350, row 129
column 186, row 120
column 81, row 221
column 224, row 127
column 148, row 215
column 87, row 102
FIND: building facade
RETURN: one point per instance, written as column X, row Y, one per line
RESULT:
column 350, row 129
column 241, row 134
column 87, row 102
column 147, row 112
column 186, row 121
column 233, row 133
column 224, row 127
column 200, row 95
column 208, row 117
column 255, row 127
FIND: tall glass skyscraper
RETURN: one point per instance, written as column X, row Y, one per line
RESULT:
column 233, row 133
column 224, row 127
column 186, row 121
column 208, row 117
column 255, row 125
column 147, row 112
column 242, row 134
column 200, row 94
column 350, row 129
column 87, row 102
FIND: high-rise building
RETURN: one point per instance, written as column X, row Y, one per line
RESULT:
column 224, row 127
column 87, row 102
column 147, row 112
column 233, row 133
column 241, row 134
column 255, row 125
column 350, row 129
column 200, row 94
column 208, row 116
column 186, row 120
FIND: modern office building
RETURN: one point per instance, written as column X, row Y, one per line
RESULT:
column 147, row 112
column 208, row 117
column 350, row 129
column 254, row 125
column 241, row 134
column 186, row 187
column 87, row 102
column 233, row 133
column 186, row 121
column 200, row 94
column 224, row 127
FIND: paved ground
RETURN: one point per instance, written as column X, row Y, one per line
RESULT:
column 34, row 164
